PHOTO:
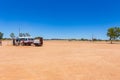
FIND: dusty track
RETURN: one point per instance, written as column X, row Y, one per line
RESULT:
column 60, row 60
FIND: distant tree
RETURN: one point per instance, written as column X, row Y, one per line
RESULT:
column 38, row 37
column 27, row 34
column 113, row 33
column 94, row 39
column 82, row 39
column 24, row 35
column 20, row 35
column 1, row 35
column 12, row 35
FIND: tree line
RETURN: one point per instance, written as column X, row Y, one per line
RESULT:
column 113, row 33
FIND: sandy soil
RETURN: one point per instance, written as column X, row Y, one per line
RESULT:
column 60, row 60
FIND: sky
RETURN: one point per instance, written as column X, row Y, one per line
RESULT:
column 59, row 18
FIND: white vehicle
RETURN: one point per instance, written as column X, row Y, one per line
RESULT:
column 25, row 40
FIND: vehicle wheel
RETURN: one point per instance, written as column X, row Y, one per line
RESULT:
column 22, row 44
column 29, row 44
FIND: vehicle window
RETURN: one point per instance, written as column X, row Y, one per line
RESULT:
column 30, row 39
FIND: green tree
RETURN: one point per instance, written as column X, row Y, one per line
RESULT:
column 1, row 35
column 117, row 32
column 113, row 33
column 12, row 35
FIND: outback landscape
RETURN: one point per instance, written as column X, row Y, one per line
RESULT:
column 59, row 39
column 60, row 60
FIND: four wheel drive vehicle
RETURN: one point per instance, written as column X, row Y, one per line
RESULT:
column 38, row 41
column 25, row 40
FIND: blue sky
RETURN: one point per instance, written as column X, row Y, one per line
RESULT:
column 59, row 18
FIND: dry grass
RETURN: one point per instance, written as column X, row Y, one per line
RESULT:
column 60, row 60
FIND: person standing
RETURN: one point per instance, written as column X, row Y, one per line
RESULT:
column 13, row 42
column 0, row 42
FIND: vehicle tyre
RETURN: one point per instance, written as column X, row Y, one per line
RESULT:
column 22, row 44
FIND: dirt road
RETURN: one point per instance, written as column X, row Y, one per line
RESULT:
column 60, row 60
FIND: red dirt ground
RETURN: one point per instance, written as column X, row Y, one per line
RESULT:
column 60, row 60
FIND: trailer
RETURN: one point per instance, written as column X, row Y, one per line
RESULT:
column 38, row 41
